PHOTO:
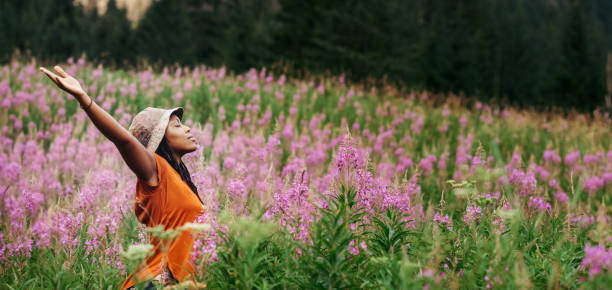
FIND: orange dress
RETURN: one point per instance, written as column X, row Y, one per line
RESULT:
column 171, row 203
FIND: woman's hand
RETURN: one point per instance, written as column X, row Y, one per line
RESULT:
column 64, row 81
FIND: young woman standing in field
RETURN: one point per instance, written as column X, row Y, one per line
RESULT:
column 152, row 148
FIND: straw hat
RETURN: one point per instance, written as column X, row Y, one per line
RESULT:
column 149, row 125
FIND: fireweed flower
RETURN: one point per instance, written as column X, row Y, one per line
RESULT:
column 320, row 89
column 272, row 146
column 426, row 164
column 552, row 183
column 403, row 164
column 2, row 248
column 416, row 126
column 353, row 249
column 525, row 182
column 386, row 171
column 476, row 163
column 491, row 195
column 593, row 184
column 348, row 159
column 473, row 215
column 592, row 159
column 498, row 222
column 221, row 113
column 551, row 156
column 406, row 201
column 515, row 161
column 247, row 159
column 369, row 190
column 542, row 173
column 538, row 203
column 596, row 259
column 41, row 233
column 516, row 177
column 205, row 243
column 279, row 95
column 582, row 220
column 18, row 248
column 237, row 190
column 445, row 112
column 288, row 131
column 606, row 177
column 561, row 197
column 443, row 221
column 363, row 246
column 572, row 158
column 292, row 208
column 229, row 163
column 294, row 166
column 443, row 160
column 462, row 155
column 315, row 156
column 463, row 122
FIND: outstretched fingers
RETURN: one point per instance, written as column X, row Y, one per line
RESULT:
column 50, row 74
column 60, row 71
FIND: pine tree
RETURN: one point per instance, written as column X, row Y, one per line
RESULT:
column 581, row 78
column 113, row 35
column 164, row 35
column 245, row 37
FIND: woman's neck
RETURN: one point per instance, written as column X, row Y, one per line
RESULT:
column 177, row 157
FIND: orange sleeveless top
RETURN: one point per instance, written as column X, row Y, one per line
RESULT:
column 171, row 203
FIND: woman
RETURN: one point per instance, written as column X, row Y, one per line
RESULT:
column 152, row 148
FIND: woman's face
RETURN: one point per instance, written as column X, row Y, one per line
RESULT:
column 179, row 137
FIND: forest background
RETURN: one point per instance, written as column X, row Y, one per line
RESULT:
column 536, row 53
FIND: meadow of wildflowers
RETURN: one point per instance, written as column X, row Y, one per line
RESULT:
column 308, row 184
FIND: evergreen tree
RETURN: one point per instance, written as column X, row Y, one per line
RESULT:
column 207, row 30
column 293, row 36
column 113, row 35
column 8, row 35
column 55, row 34
column 165, row 34
column 581, row 78
column 536, row 52
column 245, row 38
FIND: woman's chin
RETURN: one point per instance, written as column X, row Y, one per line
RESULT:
column 190, row 149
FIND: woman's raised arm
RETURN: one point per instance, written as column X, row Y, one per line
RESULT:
column 136, row 156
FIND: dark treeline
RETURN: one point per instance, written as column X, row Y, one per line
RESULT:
column 526, row 52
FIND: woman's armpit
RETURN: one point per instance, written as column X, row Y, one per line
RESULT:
column 144, row 184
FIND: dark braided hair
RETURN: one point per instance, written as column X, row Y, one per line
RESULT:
column 165, row 151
